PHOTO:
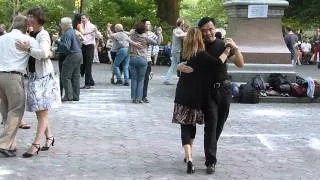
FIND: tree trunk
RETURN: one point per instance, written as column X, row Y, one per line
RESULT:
column 168, row 10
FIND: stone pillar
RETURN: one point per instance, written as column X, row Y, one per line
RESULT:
column 259, row 38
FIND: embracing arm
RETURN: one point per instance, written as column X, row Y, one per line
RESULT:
column 80, row 29
column 42, row 51
column 236, row 56
column 209, row 61
column 179, row 33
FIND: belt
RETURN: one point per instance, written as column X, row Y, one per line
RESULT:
column 217, row 85
column 12, row 72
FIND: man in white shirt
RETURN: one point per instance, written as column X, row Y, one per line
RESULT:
column 13, row 63
column 306, row 49
column 89, row 35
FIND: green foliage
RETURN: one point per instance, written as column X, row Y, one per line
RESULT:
column 302, row 14
column 54, row 10
column 193, row 10
column 126, row 12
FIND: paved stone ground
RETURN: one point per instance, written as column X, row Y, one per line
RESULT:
column 105, row 136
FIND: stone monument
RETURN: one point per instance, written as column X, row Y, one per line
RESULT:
column 255, row 25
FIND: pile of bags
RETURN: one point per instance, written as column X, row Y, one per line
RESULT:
column 277, row 85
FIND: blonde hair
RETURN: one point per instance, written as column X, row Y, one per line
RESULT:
column 192, row 44
column 118, row 27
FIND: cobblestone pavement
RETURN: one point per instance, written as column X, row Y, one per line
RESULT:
column 105, row 136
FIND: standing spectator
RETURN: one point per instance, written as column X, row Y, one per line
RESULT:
column 96, row 45
column 316, row 44
column 291, row 41
column 177, row 36
column 138, row 61
column 44, row 72
column 157, row 38
column 13, row 64
column 306, row 50
column 155, row 48
column 2, row 29
column 70, row 47
column 89, row 34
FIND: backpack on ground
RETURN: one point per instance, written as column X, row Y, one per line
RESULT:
column 258, row 83
column 248, row 94
column 275, row 80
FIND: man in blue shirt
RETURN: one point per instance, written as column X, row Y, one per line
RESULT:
column 69, row 45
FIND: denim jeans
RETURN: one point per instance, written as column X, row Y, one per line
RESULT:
column 121, row 58
column 175, row 59
column 138, row 67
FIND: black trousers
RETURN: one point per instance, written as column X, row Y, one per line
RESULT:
column 146, row 80
column 188, row 133
column 60, row 61
column 215, row 115
column 86, row 67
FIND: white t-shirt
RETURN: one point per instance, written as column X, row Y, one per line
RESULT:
column 306, row 47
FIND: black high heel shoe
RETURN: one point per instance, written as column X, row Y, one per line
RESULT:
column 190, row 168
column 27, row 154
column 46, row 148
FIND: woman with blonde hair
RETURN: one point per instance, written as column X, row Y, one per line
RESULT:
column 191, row 87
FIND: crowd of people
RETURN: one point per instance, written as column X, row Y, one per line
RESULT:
column 303, row 48
column 27, row 49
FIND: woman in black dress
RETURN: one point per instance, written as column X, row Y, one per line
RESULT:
column 191, row 89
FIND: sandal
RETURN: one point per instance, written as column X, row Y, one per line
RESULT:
column 24, row 126
column 31, row 151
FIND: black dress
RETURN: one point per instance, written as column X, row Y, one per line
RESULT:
column 191, row 89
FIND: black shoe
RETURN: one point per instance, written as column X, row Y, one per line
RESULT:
column 184, row 160
column 211, row 169
column 28, row 154
column 119, row 82
column 13, row 150
column 65, row 99
column 85, row 87
column 145, row 100
column 7, row 153
column 92, row 83
column 190, row 168
column 75, row 99
column 112, row 81
column 126, row 83
column 45, row 148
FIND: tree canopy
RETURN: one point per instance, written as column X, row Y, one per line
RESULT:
column 300, row 14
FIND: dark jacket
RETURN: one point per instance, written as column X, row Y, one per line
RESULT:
column 192, row 86
column 70, row 43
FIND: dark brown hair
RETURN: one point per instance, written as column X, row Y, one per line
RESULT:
column 140, row 27
column 38, row 14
